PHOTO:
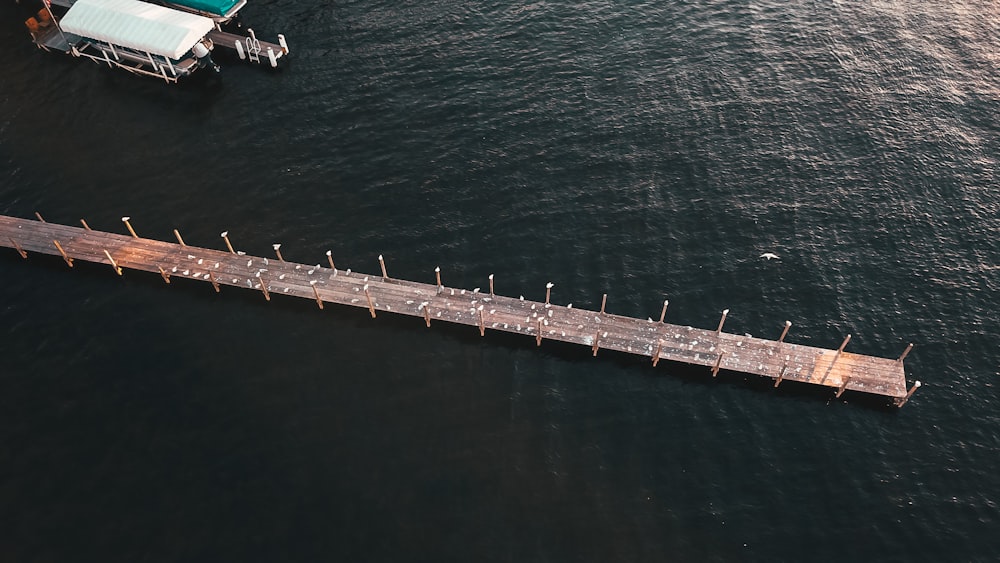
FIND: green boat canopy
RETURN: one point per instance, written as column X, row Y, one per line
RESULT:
column 217, row 7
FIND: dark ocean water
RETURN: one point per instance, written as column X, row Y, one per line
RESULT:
column 649, row 150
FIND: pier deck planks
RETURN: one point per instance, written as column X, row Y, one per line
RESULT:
column 746, row 354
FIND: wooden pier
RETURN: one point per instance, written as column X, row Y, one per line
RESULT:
column 379, row 293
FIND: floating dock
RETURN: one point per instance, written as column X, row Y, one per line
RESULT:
column 379, row 293
column 248, row 47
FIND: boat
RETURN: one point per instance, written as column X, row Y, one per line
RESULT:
column 135, row 36
column 144, row 38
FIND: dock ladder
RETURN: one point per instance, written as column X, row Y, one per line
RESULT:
column 253, row 47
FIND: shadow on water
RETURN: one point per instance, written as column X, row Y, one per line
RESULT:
column 196, row 93
column 564, row 352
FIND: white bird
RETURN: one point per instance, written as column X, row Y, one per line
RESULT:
column 770, row 256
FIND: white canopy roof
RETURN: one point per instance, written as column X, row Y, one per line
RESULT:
column 137, row 25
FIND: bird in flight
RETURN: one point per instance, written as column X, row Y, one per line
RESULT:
column 770, row 256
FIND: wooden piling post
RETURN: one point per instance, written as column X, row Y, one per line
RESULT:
column 225, row 237
column 841, row 349
column 427, row 315
column 718, row 363
column 39, row 215
column 901, row 402
column 85, row 225
column 18, row 248
column 663, row 313
column 604, row 301
column 538, row 335
column 781, row 374
column 263, row 287
column 319, row 301
column 788, row 325
column 905, row 352
column 597, row 342
column 722, row 321
column 482, row 322
column 381, row 264
column 491, row 285
column 843, row 385
column 129, row 227
column 277, row 250
column 656, row 354
column 329, row 256
column 113, row 263
column 844, row 344
column 69, row 261
column 211, row 277
column 179, row 239
column 437, row 275
column 371, row 306
column 548, row 292
column 164, row 274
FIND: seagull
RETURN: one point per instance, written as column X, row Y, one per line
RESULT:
column 770, row 256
